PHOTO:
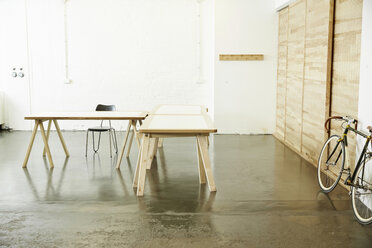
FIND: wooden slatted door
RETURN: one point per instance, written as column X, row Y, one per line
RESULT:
column 282, row 73
column 295, row 73
column 346, row 62
column 317, row 76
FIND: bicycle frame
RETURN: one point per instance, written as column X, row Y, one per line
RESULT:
column 362, row 154
column 336, row 149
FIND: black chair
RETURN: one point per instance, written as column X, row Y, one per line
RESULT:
column 100, row 129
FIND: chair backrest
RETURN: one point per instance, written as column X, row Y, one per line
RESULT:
column 102, row 107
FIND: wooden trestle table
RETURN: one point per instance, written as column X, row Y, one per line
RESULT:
column 174, row 125
column 132, row 117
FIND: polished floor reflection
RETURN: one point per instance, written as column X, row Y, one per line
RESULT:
column 267, row 196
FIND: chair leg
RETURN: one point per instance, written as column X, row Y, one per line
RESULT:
column 94, row 143
column 99, row 140
column 94, row 149
column 116, row 143
column 110, row 143
column 112, row 138
column 86, row 144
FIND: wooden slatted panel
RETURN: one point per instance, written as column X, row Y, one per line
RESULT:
column 282, row 73
column 346, row 60
column 241, row 57
column 295, row 69
column 318, row 59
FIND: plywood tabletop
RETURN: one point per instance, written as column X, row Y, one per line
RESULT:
column 179, row 109
column 95, row 115
column 178, row 124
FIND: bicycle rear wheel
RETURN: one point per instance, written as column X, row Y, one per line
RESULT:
column 361, row 194
column 331, row 163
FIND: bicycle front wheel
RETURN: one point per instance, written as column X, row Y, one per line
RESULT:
column 331, row 163
column 361, row 193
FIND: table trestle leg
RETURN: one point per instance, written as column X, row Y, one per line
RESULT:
column 136, row 173
column 203, row 146
column 152, row 151
column 61, row 138
column 160, row 142
column 137, row 135
column 134, row 133
column 142, row 165
column 37, row 122
column 124, row 144
column 47, row 136
column 46, row 145
column 202, row 177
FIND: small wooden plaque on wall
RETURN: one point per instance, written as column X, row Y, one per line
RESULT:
column 241, row 57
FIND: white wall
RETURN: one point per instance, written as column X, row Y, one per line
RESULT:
column 137, row 54
column 13, row 54
column 2, row 120
column 365, row 83
column 134, row 54
column 245, row 91
column 279, row 4
column 207, row 31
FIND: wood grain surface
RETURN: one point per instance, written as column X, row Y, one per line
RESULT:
column 96, row 115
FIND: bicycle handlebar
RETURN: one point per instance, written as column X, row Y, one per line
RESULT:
column 346, row 118
column 329, row 119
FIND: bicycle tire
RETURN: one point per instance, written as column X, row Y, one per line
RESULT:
column 331, row 173
column 362, row 203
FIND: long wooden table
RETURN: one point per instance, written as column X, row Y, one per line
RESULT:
column 172, row 125
column 179, row 109
column 132, row 117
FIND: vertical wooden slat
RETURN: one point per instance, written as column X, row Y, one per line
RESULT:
column 318, row 58
column 295, row 69
column 346, row 62
column 282, row 73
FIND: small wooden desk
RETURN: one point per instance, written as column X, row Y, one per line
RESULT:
column 133, row 117
column 164, row 126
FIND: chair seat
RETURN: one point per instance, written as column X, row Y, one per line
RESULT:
column 99, row 129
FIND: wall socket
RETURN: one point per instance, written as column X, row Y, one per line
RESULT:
column 20, row 73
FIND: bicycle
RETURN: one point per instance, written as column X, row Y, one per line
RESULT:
column 331, row 167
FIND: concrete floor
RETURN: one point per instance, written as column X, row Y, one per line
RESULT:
column 267, row 197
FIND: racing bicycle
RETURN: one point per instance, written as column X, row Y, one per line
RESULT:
column 331, row 166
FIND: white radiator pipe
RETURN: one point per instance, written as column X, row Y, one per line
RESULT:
column 2, row 121
column 67, row 76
